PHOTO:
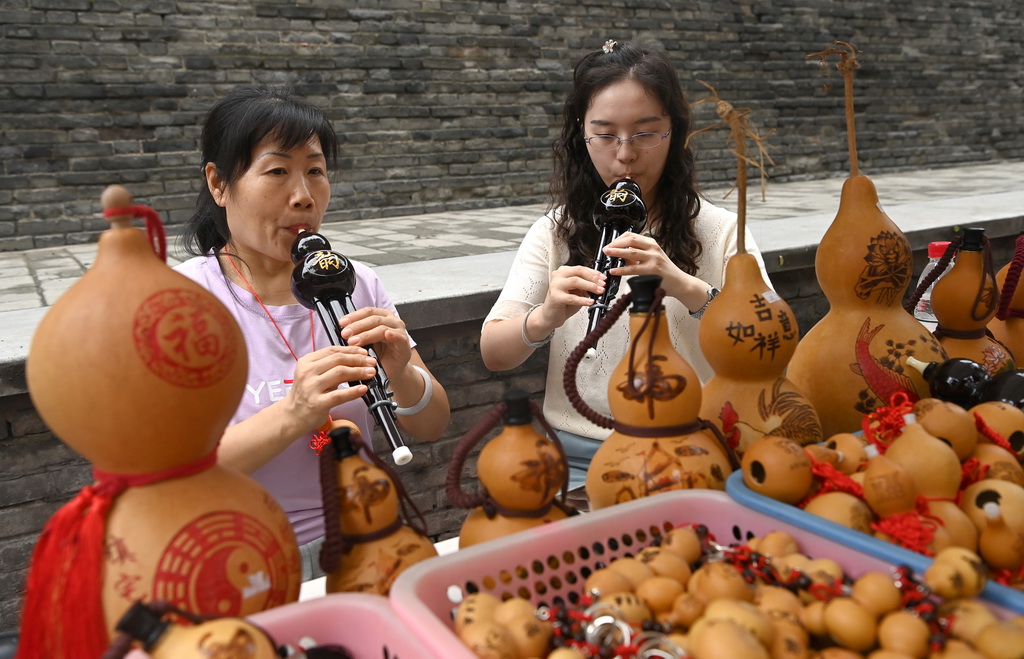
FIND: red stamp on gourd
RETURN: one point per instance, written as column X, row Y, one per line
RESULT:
column 184, row 338
column 224, row 563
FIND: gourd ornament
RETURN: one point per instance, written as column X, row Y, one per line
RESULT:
column 854, row 359
column 1007, row 326
column 964, row 300
column 149, row 400
column 748, row 333
column 521, row 472
column 657, row 443
column 160, row 630
column 369, row 537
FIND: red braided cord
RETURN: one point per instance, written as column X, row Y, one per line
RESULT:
column 154, row 227
column 992, row 435
column 1010, row 284
column 452, row 484
column 589, row 341
column 939, row 268
column 983, row 304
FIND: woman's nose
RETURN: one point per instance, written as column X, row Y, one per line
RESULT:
column 625, row 152
column 301, row 196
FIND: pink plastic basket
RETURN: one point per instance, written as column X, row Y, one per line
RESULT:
column 365, row 625
column 551, row 562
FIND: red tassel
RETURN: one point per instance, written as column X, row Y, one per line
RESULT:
column 830, row 479
column 908, row 530
column 62, row 617
column 63, row 612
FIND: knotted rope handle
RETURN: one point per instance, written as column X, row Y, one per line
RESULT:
column 453, row 487
column 1010, row 285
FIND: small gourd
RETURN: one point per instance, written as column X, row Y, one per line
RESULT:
column 888, row 487
column 932, row 464
column 964, row 300
column 1007, row 326
column 367, row 542
column 521, row 472
column 777, row 467
column 1002, row 547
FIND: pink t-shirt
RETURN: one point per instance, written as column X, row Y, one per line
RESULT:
column 293, row 477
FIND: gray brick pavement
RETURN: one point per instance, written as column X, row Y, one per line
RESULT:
column 36, row 278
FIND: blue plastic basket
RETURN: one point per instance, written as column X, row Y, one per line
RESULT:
column 995, row 593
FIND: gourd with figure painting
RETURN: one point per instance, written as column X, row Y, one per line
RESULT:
column 369, row 537
column 854, row 359
column 152, row 395
column 1007, row 326
column 658, row 443
column 748, row 334
column 521, row 472
column 964, row 300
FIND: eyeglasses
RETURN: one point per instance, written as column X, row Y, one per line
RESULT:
column 638, row 141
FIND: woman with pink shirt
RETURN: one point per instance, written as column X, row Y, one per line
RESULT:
column 266, row 163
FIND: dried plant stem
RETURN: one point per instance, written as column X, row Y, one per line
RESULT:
column 847, row 64
column 740, row 129
column 741, row 186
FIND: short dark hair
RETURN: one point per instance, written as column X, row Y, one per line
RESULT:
column 233, row 127
column 576, row 184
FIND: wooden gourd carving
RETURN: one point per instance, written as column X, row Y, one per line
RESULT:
column 964, row 300
column 658, row 443
column 368, row 541
column 749, row 333
column 521, row 472
column 139, row 369
column 854, row 359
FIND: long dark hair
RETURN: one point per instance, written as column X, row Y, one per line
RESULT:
column 576, row 184
column 236, row 124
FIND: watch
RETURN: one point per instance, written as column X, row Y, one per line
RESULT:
column 712, row 294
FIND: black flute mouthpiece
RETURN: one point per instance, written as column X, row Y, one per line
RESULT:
column 323, row 280
column 619, row 210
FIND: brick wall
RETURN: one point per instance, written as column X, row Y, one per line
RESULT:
column 452, row 105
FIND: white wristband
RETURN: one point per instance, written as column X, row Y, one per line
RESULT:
column 526, row 339
column 428, row 393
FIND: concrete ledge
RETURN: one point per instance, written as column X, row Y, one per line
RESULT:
column 446, row 291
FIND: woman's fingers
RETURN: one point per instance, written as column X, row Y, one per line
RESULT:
column 571, row 285
column 371, row 325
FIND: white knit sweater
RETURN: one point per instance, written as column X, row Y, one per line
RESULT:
column 541, row 253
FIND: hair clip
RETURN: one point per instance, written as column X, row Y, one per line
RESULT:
column 609, row 45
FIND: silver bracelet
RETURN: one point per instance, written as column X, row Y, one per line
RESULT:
column 526, row 339
column 428, row 393
column 712, row 294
